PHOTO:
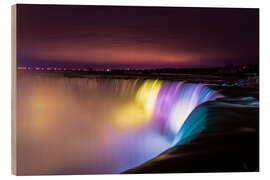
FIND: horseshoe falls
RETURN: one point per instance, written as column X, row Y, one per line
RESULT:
column 111, row 125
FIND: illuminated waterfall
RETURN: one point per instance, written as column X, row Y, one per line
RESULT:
column 164, row 105
column 147, row 95
column 170, row 103
column 190, row 96
column 116, row 124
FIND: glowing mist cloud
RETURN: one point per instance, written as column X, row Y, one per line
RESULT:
column 130, row 116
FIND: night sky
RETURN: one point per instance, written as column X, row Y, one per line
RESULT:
column 136, row 37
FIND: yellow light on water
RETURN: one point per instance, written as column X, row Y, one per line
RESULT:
column 137, row 113
column 147, row 95
column 130, row 115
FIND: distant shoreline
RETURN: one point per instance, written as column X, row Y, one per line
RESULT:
column 218, row 79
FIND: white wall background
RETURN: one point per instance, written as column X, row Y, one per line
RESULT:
column 5, row 86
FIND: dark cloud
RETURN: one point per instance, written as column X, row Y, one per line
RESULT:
column 137, row 35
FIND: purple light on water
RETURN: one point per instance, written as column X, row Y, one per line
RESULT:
column 165, row 101
column 175, row 102
column 190, row 96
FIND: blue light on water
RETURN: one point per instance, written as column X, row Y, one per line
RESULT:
column 194, row 124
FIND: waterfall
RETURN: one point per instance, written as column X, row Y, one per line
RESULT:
column 164, row 104
column 170, row 103
column 115, row 124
